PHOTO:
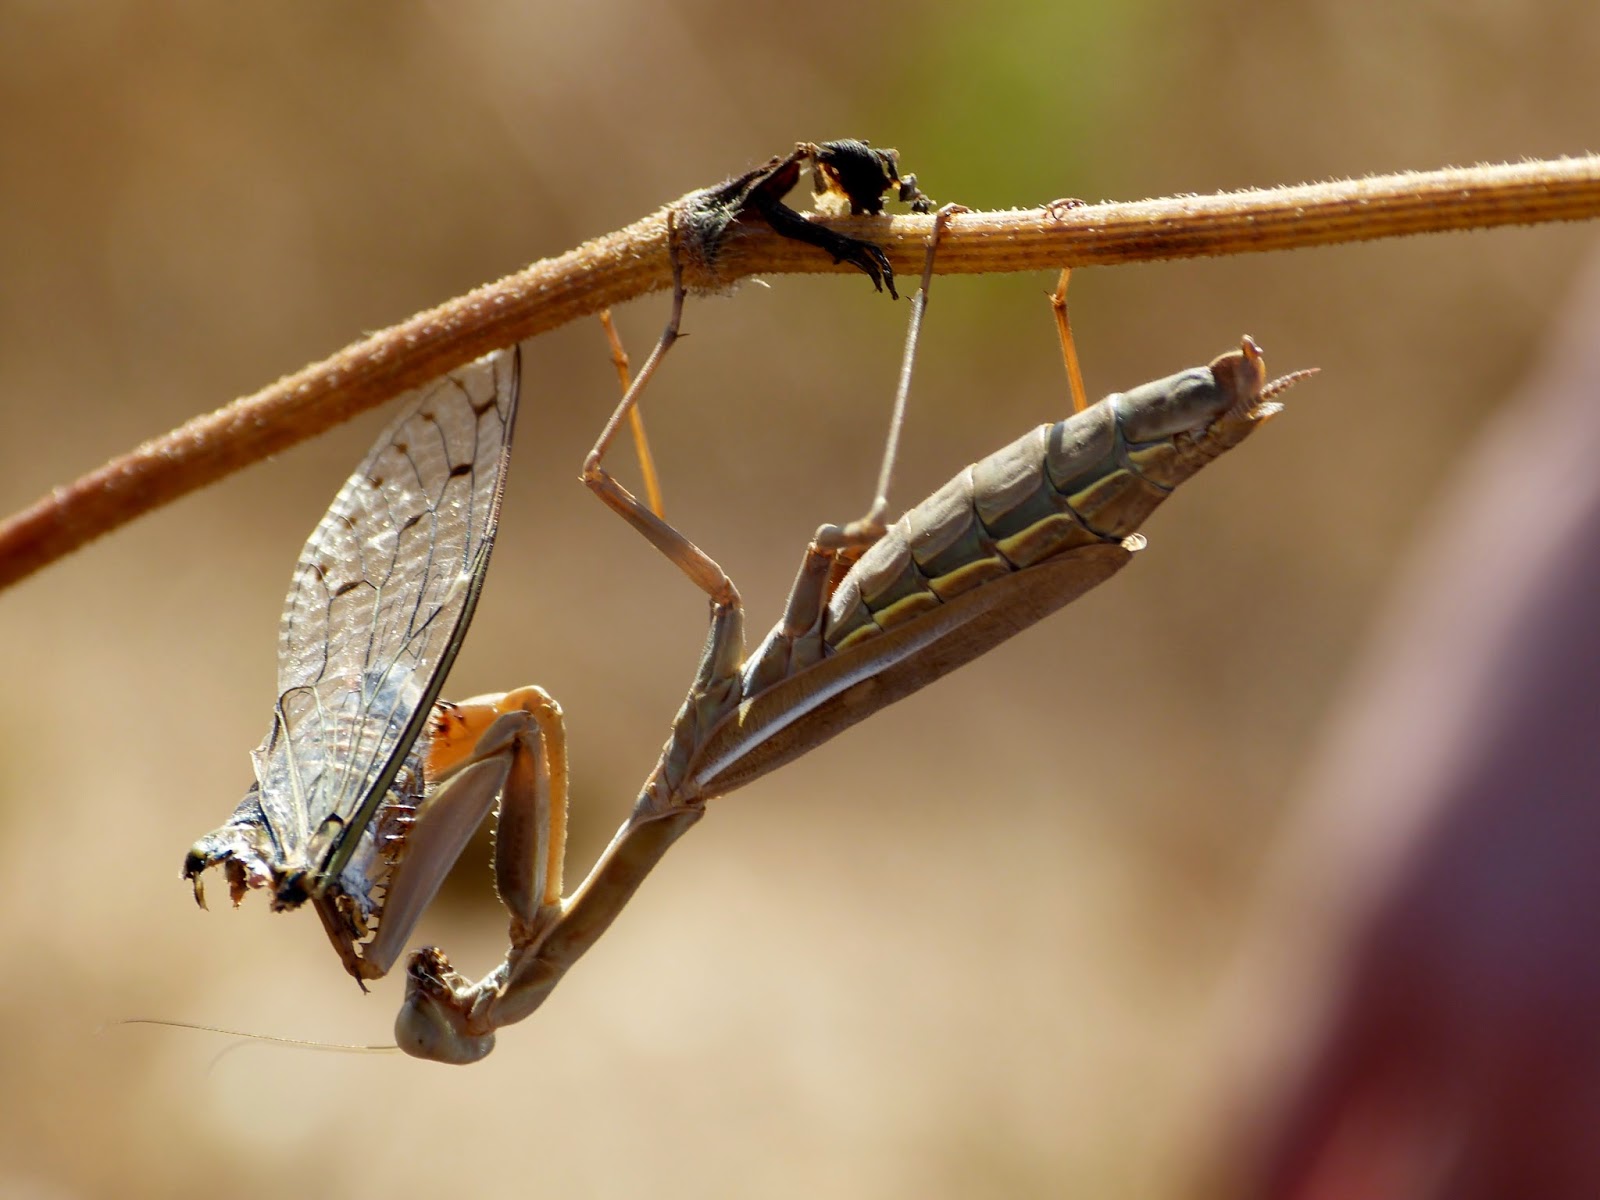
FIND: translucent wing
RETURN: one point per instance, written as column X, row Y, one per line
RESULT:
column 379, row 603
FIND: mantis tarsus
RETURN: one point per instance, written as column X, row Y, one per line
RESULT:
column 874, row 615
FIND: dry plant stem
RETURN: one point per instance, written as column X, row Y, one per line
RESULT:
column 633, row 262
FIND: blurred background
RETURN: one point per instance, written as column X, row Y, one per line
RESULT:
column 972, row 947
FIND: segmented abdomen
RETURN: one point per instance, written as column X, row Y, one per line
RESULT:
column 1079, row 481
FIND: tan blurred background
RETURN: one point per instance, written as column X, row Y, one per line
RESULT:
column 971, row 947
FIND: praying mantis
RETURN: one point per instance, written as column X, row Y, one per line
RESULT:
column 396, row 783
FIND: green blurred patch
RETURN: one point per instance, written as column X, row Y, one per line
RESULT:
column 1016, row 100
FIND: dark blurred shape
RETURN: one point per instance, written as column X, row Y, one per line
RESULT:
column 1442, row 885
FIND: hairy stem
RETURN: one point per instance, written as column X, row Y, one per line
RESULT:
column 633, row 262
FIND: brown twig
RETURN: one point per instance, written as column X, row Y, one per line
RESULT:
column 633, row 262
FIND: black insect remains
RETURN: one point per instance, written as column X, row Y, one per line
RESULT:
column 849, row 176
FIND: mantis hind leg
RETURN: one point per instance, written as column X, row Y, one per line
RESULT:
column 855, row 536
column 796, row 642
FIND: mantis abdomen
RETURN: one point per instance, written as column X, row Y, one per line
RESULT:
column 1091, row 479
column 1009, row 540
